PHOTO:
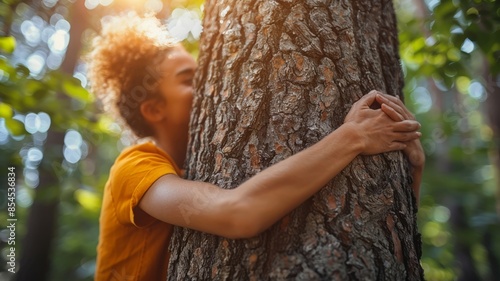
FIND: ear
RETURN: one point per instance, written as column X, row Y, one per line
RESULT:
column 153, row 110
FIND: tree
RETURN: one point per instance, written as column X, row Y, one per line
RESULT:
column 274, row 78
column 450, row 53
column 35, row 260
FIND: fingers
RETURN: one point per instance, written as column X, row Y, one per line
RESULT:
column 415, row 153
column 397, row 146
column 396, row 104
column 392, row 113
column 407, row 136
column 361, row 109
column 406, row 126
column 368, row 99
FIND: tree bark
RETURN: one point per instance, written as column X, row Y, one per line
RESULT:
column 274, row 78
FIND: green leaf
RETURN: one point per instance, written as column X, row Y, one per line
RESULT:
column 22, row 70
column 15, row 127
column 36, row 88
column 6, row 111
column 5, row 10
column 7, row 44
column 10, row 2
column 88, row 200
column 7, row 68
column 73, row 89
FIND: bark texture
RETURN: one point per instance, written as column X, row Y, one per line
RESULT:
column 274, row 78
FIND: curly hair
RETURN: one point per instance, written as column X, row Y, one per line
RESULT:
column 121, row 66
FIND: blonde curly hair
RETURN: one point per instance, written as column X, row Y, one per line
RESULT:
column 120, row 65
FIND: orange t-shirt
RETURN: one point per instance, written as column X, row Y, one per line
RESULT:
column 132, row 244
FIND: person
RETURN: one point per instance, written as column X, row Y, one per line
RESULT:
column 137, row 70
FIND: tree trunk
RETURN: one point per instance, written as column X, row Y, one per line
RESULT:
column 274, row 78
column 493, row 115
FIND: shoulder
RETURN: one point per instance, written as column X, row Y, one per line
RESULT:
column 146, row 148
column 146, row 155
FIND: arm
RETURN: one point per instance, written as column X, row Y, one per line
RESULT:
column 265, row 198
column 395, row 109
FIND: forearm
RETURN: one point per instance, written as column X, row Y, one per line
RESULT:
column 260, row 201
column 271, row 194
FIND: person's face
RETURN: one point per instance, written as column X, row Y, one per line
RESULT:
column 176, row 86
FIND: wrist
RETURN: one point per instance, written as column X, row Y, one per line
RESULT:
column 353, row 139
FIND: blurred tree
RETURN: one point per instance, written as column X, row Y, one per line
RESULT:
column 274, row 78
column 39, row 107
column 450, row 53
column 41, row 228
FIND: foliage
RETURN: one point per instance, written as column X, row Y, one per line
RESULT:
column 35, row 104
column 69, row 108
column 447, row 49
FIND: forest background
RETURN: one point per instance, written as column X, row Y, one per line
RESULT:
column 61, row 145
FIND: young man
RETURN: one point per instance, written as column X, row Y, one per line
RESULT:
column 145, row 191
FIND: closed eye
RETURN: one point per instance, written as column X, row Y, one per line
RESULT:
column 188, row 82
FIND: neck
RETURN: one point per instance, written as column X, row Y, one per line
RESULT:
column 174, row 144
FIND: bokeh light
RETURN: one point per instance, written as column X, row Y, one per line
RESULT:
column 34, row 155
column 31, row 31
column 59, row 41
column 35, row 63
column 4, row 133
column 91, row 4
column 24, row 198
column 153, row 6
column 31, row 177
column 37, row 122
column 73, row 146
column 49, row 3
column 183, row 23
column 467, row 46
column 422, row 99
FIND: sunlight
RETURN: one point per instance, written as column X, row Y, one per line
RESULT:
column 91, row 4
column 31, row 178
column 35, row 63
column 59, row 41
column 183, row 23
column 88, row 200
column 133, row 4
column 72, row 146
column 422, row 100
column 105, row 2
column 4, row 134
column 153, row 5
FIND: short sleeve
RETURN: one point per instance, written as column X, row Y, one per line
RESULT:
column 133, row 174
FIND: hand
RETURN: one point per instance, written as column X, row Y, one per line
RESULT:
column 377, row 131
column 397, row 111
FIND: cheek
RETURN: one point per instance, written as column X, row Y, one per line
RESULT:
column 188, row 99
column 180, row 110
